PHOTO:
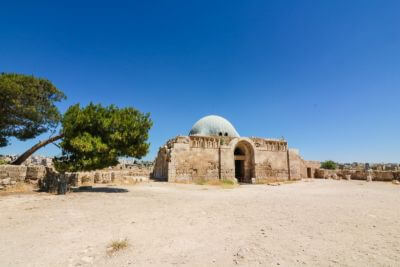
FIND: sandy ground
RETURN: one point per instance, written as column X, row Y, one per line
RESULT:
column 319, row 223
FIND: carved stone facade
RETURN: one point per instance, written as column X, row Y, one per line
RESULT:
column 259, row 160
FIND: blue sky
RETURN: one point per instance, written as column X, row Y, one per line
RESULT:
column 323, row 74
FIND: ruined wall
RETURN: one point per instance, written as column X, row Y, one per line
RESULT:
column 270, row 160
column 10, row 175
column 296, row 165
column 194, row 158
column 35, row 173
column 160, row 170
column 313, row 166
column 134, row 173
column 384, row 176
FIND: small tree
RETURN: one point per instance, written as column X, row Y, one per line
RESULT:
column 328, row 165
column 95, row 136
column 27, row 106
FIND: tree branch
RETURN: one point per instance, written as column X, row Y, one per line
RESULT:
column 35, row 148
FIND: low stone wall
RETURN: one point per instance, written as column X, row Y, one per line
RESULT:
column 10, row 175
column 140, row 173
column 47, row 178
column 35, row 173
column 385, row 176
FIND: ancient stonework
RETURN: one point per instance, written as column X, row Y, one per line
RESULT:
column 214, row 150
column 373, row 175
column 47, row 178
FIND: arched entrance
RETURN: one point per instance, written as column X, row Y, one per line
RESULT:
column 244, row 162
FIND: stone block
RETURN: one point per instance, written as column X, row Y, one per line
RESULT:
column 6, row 181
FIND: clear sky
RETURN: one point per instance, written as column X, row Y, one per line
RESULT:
column 323, row 74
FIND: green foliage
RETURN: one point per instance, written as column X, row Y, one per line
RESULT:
column 328, row 165
column 96, row 136
column 27, row 106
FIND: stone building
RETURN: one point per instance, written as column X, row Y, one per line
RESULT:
column 215, row 150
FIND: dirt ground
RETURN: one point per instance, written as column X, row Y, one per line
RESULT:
column 318, row 223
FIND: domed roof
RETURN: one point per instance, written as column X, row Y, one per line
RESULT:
column 213, row 126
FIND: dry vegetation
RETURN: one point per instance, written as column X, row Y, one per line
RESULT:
column 19, row 187
column 226, row 184
column 117, row 245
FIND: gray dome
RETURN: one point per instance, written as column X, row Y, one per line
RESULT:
column 213, row 126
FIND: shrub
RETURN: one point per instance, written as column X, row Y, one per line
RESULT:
column 328, row 165
column 117, row 245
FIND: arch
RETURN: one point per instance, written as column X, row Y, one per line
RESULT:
column 243, row 153
column 238, row 151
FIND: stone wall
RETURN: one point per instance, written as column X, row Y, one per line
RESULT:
column 375, row 175
column 191, row 158
column 272, row 166
column 309, row 169
column 271, row 160
column 10, row 175
column 35, row 173
column 160, row 170
column 46, row 177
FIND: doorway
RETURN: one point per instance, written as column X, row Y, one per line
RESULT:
column 244, row 162
column 309, row 175
column 239, row 170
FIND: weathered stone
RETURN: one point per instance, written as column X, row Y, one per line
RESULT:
column 35, row 172
column 6, row 181
column 219, row 155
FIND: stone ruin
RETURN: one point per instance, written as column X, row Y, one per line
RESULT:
column 366, row 175
column 47, row 178
column 213, row 150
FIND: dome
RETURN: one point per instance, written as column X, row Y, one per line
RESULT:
column 213, row 126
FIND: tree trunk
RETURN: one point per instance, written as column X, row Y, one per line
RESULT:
column 35, row 148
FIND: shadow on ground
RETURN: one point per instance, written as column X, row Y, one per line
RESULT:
column 99, row 189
